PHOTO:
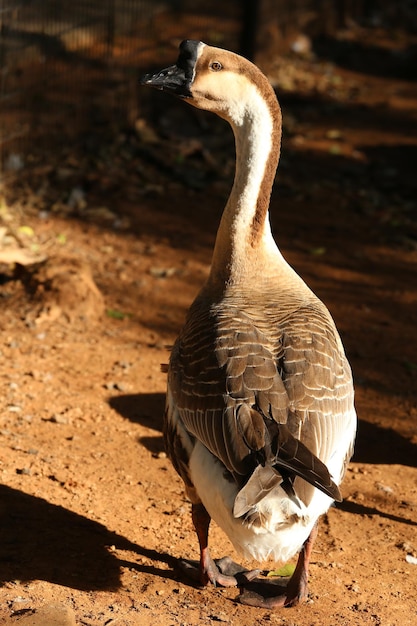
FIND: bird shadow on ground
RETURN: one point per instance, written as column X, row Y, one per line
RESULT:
column 142, row 408
column 146, row 409
column 42, row 541
column 378, row 445
column 361, row 509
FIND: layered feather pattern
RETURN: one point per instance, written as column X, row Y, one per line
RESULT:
column 257, row 398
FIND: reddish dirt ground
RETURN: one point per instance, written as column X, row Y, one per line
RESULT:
column 92, row 515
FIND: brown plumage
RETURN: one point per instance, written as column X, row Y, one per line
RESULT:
column 259, row 418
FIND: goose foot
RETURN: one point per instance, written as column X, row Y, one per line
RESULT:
column 220, row 572
column 264, row 594
column 271, row 595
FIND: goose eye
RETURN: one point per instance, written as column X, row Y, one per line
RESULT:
column 216, row 66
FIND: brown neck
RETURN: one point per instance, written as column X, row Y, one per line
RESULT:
column 244, row 236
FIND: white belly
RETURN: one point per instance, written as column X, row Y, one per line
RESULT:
column 286, row 525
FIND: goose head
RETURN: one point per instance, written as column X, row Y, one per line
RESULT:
column 213, row 79
column 229, row 85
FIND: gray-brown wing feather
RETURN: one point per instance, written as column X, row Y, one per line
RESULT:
column 318, row 380
column 234, row 385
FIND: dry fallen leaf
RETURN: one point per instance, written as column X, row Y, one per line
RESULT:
column 21, row 256
column 284, row 571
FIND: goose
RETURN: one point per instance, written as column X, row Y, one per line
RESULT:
column 260, row 420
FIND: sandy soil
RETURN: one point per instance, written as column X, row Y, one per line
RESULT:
column 92, row 515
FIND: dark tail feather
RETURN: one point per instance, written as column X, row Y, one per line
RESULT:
column 292, row 455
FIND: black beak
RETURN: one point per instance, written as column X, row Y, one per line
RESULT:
column 177, row 79
column 172, row 80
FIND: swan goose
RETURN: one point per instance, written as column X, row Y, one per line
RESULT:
column 260, row 419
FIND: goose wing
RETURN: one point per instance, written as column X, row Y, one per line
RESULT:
column 255, row 400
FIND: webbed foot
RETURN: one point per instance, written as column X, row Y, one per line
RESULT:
column 220, row 572
column 271, row 595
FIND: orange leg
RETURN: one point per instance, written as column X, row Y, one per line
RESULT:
column 297, row 589
column 209, row 572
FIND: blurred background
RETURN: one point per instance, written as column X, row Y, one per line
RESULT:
column 69, row 71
